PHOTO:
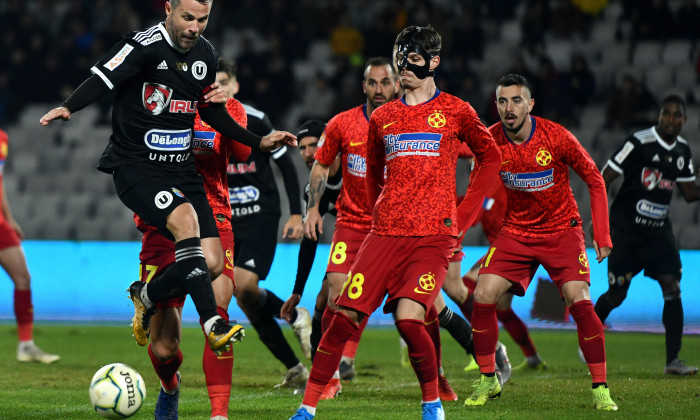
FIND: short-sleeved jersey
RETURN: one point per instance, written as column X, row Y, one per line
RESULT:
column 651, row 167
column 158, row 90
column 419, row 146
column 346, row 134
column 536, row 176
column 211, row 156
column 252, row 187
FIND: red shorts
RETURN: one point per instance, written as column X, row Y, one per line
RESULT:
column 158, row 252
column 346, row 243
column 517, row 258
column 457, row 256
column 402, row 267
column 8, row 236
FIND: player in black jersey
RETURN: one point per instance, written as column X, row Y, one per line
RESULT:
column 161, row 76
column 308, row 136
column 652, row 162
column 255, row 213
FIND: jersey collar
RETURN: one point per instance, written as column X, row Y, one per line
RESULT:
column 166, row 36
column 661, row 141
column 437, row 92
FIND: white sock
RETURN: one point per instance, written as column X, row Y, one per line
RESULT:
column 336, row 375
column 210, row 323
column 311, row 410
column 144, row 297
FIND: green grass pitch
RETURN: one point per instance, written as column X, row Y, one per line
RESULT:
column 381, row 390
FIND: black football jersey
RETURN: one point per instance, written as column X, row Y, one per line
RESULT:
column 158, row 89
column 651, row 168
column 251, row 184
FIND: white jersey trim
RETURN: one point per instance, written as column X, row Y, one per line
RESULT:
column 104, row 78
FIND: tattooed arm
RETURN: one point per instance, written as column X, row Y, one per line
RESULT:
column 317, row 185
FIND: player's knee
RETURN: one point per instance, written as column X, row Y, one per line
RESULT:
column 182, row 222
column 165, row 348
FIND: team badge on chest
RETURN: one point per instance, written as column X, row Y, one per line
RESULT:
column 437, row 119
column 543, row 157
column 156, row 97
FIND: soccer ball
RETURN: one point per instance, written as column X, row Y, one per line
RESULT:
column 117, row 391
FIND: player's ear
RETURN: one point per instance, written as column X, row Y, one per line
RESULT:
column 434, row 62
column 530, row 105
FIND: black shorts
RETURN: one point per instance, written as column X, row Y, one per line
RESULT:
column 254, row 243
column 153, row 193
column 656, row 255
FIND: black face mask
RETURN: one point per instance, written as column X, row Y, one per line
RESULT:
column 421, row 72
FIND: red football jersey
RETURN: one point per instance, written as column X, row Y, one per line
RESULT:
column 536, row 176
column 346, row 133
column 419, row 146
column 211, row 152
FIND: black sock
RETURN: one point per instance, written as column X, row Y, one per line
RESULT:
column 597, row 384
column 316, row 332
column 167, row 285
column 458, row 328
column 271, row 334
column 603, row 307
column 270, row 304
column 673, row 321
column 189, row 258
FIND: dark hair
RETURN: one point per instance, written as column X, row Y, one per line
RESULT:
column 227, row 66
column 514, row 80
column 379, row 61
column 676, row 99
column 425, row 36
column 175, row 3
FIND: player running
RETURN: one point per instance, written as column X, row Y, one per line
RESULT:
column 541, row 226
column 14, row 263
column 414, row 142
column 652, row 162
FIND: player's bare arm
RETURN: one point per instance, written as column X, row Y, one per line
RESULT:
column 317, row 186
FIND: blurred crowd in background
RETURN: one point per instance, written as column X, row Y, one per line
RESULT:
column 49, row 47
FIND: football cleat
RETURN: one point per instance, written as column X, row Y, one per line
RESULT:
column 433, row 411
column 484, row 388
column 472, row 365
column 302, row 414
column 347, row 370
column 581, row 357
column 602, row 400
column 302, row 330
column 141, row 322
column 502, row 362
column 332, row 389
column 532, row 362
column 166, row 404
column 678, row 367
column 445, row 390
column 30, row 352
column 222, row 334
column 295, row 378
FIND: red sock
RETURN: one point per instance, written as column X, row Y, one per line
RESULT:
column 350, row 349
column 217, row 372
column 467, row 306
column 24, row 314
column 485, row 330
column 328, row 355
column 517, row 330
column 326, row 318
column 421, row 352
column 166, row 370
column 432, row 327
column 591, row 338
